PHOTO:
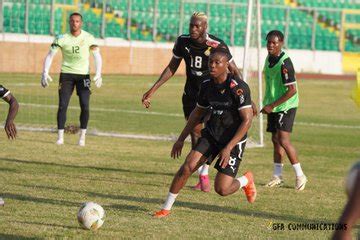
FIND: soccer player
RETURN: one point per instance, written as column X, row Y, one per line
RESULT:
column 10, row 127
column 227, row 99
column 280, row 103
column 75, row 47
column 351, row 212
column 194, row 48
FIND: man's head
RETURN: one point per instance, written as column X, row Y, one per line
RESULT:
column 218, row 61
column 198, row 25
column 75, row 21
column 275, row 41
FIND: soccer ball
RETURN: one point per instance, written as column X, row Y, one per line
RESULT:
column 351, row 178
column 91, row 216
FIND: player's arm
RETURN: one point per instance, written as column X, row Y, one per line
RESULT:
column 98, row 64
column 45, row 78
column 167, row 73
column 10, row 127
column 288, row 78
column 194, row 119
column 246, row 114
column 351, row 212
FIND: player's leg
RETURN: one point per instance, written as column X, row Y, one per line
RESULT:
column 192, row 162
column 225, row 181
column 203, row 171
column 189, row 105
column 83, row 91
column 66, row 87
column 283, row 135
column 278, row 151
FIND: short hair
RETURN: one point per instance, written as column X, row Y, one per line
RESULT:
column 221, row 50
column 275, row 33
column 76, row 14
column 201, row 15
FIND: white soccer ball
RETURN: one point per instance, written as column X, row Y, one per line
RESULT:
column 91, row 216
column 351, row 178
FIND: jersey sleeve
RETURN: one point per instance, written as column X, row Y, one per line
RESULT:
column 202, row 100
column 177, row 52
column 3, row 91
column 242, row 93
column 288, row 72
column 57, row 43
column 91, row 40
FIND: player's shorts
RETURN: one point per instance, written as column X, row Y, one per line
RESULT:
column 189, row 105
column 68, row 81
column 210, row 149
column 283, row 121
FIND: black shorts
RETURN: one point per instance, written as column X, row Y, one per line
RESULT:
column 210, row 149
column 68, row 81
column 189, row 105
column 283, row 121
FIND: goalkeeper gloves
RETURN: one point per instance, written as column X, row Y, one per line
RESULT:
column 45, row 78
column 98, row 80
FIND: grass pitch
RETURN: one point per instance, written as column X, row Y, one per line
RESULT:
column 43, row 184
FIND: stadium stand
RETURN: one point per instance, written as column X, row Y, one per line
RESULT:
column 138, row 24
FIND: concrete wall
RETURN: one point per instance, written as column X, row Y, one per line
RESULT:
column 26, row 53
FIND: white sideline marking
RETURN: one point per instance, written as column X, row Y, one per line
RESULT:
column 171, row 138
column 146, row 112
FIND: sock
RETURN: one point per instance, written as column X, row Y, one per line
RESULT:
column 169, row 201
column 204, row 170
column 82, row 134
column 243, row 181
column 60, row 134
column 278, row 169
column 298, row 170
column 200, row 169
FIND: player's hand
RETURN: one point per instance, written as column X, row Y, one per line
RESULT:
column 254, row 108
column 176, row 149
column 10, row 130
column 98, row 80
column 146, row 99
column 267, row 109
column 45, row 79
column 224, row 157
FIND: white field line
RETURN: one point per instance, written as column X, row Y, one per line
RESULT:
column 146, row 112
column 171, row 138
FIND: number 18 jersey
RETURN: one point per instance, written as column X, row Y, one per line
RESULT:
column 196, row 57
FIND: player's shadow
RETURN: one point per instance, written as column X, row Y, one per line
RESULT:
column 85, row 167
column 31, row 199
column 212, row 208
column 15, row 237
column 47, row 224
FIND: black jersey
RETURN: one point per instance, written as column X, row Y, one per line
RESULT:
column 196, row 58
column 3, row 91
column 224, row 100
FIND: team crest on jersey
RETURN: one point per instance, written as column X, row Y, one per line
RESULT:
column 212, row 44
column 207, row 52
column 222, row 91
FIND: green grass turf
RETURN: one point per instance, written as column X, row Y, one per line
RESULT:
column 43, row 184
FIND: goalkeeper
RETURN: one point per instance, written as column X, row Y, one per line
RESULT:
column 75, row 47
